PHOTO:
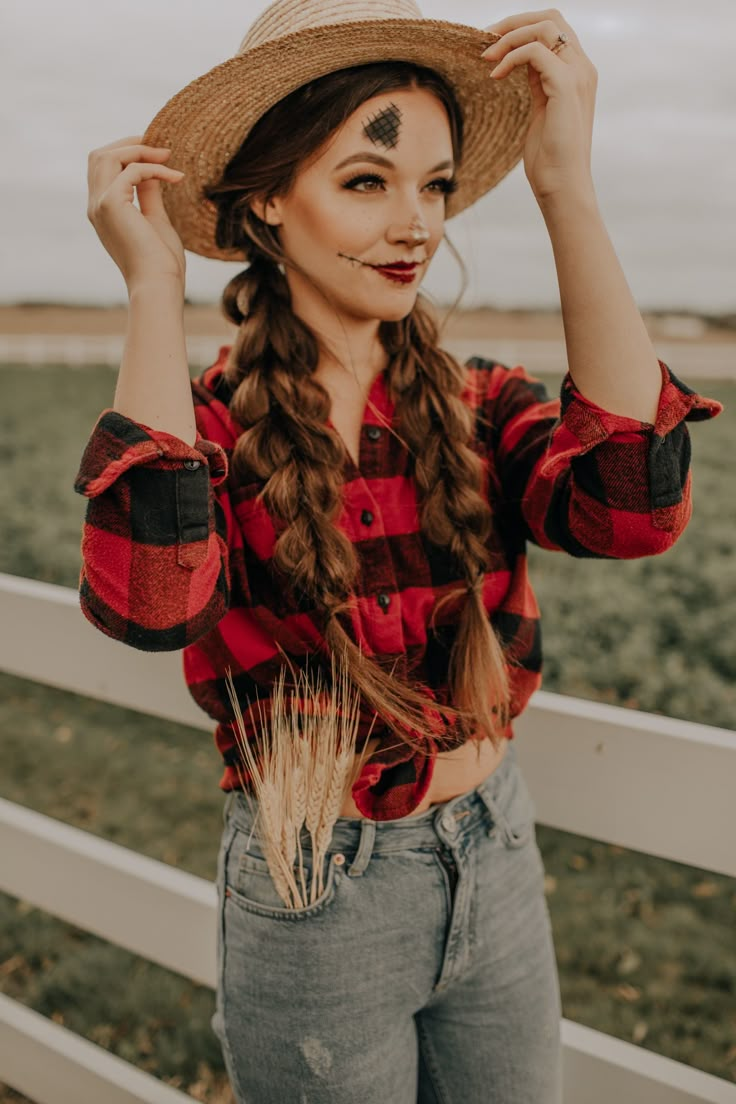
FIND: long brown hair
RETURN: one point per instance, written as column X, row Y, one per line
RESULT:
column 270, row 372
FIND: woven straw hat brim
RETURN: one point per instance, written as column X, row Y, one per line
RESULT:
column 207, row 121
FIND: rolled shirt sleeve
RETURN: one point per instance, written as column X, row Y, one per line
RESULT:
column 154, row 553
column 583, row 480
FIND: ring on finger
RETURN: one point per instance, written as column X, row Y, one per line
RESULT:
column 560, row 41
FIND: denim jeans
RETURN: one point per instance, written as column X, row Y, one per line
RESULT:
column 424, row 973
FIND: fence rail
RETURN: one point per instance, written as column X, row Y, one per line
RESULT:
column 707, row 360
column 612, row 774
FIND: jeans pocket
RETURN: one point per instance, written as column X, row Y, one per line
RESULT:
column 250, row 885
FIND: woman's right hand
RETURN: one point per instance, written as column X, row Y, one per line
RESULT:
column 143, row 243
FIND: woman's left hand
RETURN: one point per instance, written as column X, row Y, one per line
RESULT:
column 563, row 86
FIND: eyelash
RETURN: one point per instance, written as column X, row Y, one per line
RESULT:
column 447, row 185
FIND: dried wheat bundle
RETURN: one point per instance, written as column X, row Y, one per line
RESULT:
column 300, row 768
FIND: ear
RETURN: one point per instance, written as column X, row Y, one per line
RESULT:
column 269, row 212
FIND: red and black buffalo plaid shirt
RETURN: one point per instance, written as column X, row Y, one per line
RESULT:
column 176, row 556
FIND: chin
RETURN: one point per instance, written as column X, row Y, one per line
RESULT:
column 398, row 307
column 399, row 312
column 376, row 312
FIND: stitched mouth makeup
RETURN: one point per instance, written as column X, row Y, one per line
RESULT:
column 398, row 272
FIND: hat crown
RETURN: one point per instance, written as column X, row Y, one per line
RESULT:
column 287, row 16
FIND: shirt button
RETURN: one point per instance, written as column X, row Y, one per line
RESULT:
column 366, row 517
column 192, row 465
column 384, row 600
column 374, row 432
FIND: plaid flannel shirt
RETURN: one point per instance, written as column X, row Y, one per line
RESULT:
column 175, row 555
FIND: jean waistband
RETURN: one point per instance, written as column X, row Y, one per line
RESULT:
column 455, row 817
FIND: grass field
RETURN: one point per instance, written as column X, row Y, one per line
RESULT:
column 646, row 948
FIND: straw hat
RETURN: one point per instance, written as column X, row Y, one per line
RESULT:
column 295, row 41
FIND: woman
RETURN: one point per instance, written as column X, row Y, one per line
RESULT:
column 336, row 485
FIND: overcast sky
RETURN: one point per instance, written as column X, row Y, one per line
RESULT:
column 83, row 74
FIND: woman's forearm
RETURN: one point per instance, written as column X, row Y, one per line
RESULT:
column 153, row 385
column 610, row 356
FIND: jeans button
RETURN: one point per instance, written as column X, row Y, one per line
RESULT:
column 449, row 823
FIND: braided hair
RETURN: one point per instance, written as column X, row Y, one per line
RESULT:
column 287, row 443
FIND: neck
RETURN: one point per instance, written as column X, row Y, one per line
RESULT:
column 348, row 345
column 352, row 366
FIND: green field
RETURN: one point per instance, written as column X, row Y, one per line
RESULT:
column 646, row 948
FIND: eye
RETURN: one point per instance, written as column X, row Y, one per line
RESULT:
column 448, row 185
column 363, row 178
column 445, row 185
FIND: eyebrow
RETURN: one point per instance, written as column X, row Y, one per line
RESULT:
column 378, row 160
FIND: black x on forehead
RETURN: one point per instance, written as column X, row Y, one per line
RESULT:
column 383, row 129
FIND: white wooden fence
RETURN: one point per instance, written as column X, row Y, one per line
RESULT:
column 690, row 360
column 641, row 781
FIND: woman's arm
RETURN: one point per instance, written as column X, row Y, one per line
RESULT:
column 155, row 564
column 604, row 471
column 610, row 356
column 575, row 477
column 609, row 353
column 153, row 384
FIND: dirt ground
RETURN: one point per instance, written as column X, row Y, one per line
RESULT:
column 207, row 320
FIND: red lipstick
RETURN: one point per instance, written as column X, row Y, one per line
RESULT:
column 400, row 273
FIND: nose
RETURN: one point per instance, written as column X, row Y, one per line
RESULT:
column 413, row 232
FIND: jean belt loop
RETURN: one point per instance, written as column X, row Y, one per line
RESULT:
column 495, row 815
column 365, row 848
column 229, row 799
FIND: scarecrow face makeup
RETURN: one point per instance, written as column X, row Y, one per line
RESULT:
column 354, row 207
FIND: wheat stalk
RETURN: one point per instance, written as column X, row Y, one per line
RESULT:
column 269, row 803
column 300, row 805
column 300, row 769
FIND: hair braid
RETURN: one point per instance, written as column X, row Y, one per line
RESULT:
column 438, row 426
column 287, row 443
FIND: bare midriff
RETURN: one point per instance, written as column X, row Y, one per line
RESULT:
column 455, row 772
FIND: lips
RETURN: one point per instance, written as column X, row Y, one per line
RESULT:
column 402, row 273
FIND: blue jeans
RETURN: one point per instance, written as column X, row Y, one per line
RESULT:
column 424, row 973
